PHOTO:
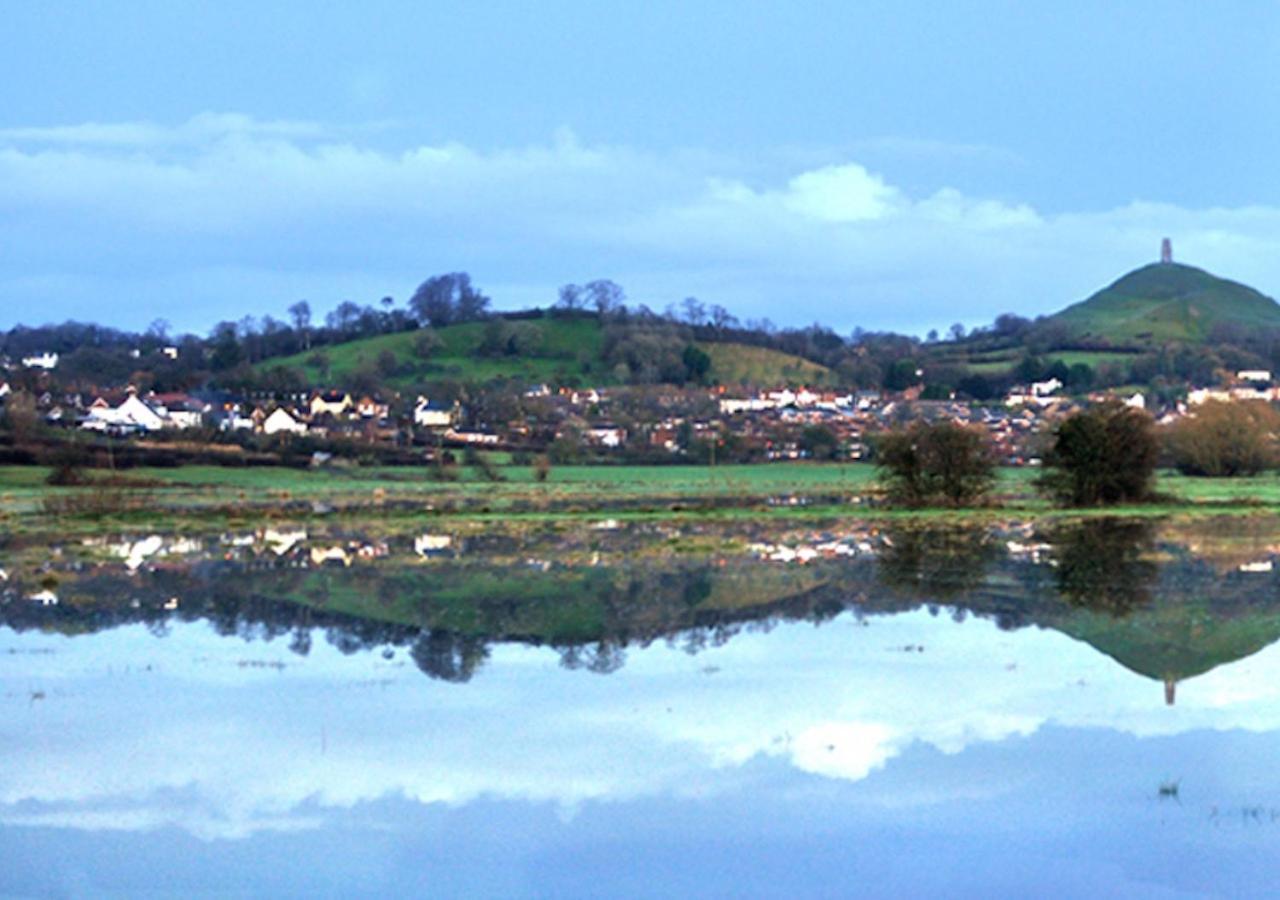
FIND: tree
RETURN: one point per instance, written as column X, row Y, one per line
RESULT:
column 1224, row 439
column 444, row 299
column 943, row 463
column 697, row 362
column 606, row 296
column 571, row 298
column 300, row 313
column 820, row 442
column 693, row 310
column 1100, row 456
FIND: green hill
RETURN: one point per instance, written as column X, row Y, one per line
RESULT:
column 559, row 351
column 1168, row 302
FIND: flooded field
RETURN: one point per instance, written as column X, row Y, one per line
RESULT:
column 817, row 708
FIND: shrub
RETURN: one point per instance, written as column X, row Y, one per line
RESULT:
column 930, row 464
column 1100, row 456
column 1225, row 439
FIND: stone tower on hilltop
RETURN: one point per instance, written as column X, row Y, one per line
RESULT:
column 1166, row 251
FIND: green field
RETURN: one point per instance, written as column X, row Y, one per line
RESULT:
column 211, row 495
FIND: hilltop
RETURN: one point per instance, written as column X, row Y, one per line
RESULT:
column 555, row 350
column 1165, row 302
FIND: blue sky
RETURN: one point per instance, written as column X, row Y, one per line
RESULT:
column 889, row 165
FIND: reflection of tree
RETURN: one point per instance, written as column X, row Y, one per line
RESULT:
column 449, row 657
column 1105, row 564
column 603, row 658
column 937, row 562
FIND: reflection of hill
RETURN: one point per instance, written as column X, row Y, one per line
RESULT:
column 1151, row 605
column 1175, row 640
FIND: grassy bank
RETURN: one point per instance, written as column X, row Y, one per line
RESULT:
column 211, row 496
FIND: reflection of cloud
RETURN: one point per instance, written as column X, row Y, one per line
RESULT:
column 225, row 206
column 224, row 750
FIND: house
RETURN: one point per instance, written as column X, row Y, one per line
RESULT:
column 428, row 414
column 180, row 410
column 606, row 436
column 41, row 361
column 5, row 390
column 133, row 414
column 369, row 408
column 331, row 403
column 281, row 420
column 1261, row 376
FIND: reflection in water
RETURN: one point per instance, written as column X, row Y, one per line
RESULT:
column 1148, row 600
column 1106, row 564
column 281, row 719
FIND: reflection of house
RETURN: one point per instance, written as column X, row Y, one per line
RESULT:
column 330, row 403
column 281, row 420
column 321, row 555
column 429, row 414
column 476, row 438
column 432, row 544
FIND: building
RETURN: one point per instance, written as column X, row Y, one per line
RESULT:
column 428, row 414
column 330, row 403
column 282, row 421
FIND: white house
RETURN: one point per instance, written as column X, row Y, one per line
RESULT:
column 281, row 420
column 1045, row 388
column 41, row 361
column 432, row 415
column 132, row 414
column 607, row 436
column 5, row 390
column 333, row 403
column 1256, row 375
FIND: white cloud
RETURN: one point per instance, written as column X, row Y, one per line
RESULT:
column 332, row 731
column 140, row 206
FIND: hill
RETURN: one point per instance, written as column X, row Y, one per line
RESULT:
column 567, row 350
column 1165, row 302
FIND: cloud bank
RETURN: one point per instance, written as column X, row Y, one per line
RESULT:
column 224, row 215
column 150, row 745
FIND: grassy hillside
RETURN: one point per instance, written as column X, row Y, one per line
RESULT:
column 1168, row 302
column 742, row 364
column 566, row 350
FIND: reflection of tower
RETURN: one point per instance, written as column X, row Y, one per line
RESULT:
column 1170, row 686
column 1166, row 251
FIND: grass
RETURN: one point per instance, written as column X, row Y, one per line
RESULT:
column 1158, row 303
column 236, row 497
column 569, row 350
column 743, row 364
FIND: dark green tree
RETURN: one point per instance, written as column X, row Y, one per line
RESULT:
column 1101, row 456
column 935, row 464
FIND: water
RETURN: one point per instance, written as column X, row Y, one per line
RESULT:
column 644, row 711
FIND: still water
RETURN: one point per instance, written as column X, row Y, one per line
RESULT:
column 644, row 711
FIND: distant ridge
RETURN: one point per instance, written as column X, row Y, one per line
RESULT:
column 1165, row 302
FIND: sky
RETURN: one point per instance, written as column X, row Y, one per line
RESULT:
column 900, row 165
